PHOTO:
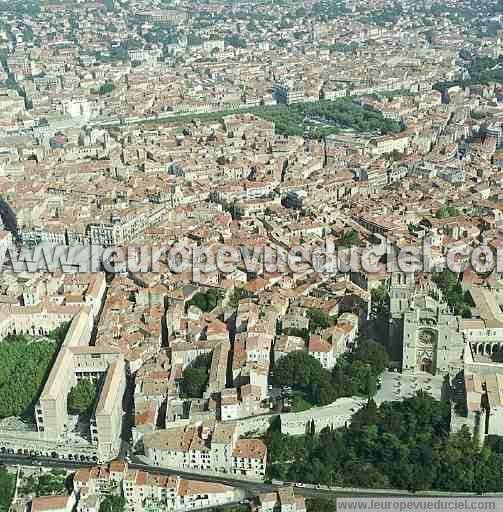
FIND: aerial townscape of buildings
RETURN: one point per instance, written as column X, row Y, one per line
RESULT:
column 132, row 128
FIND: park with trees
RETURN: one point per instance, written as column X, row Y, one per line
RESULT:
column 479, row 70
column 206, row 301
column 106, row 88
column 404, row 445
column 324, row 117
column 315, row 120
column 446, row 212
column 355, row 373
column 24, row 365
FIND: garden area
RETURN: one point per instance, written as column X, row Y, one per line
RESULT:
column 55, row 481
column 355, row 373
column 82, row 398
column 24, row 365
column 195, row 377
column 322, row 118
column 206, row 301
column 314, row 120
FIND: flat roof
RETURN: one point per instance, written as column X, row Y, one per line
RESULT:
column 488, row 307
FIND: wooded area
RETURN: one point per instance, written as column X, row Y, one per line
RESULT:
column 403, row 445
column 24, row 364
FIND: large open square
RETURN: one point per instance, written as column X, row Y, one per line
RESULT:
column 399, row 386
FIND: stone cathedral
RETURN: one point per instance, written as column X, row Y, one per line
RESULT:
column 431, row 336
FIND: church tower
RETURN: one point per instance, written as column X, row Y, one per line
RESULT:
column 401, row 291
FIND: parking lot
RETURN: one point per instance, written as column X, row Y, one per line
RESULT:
column 397, row 386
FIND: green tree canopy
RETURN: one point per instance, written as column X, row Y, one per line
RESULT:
column 53, row 482
column 373, row 354
column 113, row 503
column 354, row 373
column 298, row 369
column 304, row 373
column 7, row 483
column 446, row 211
column 82, row 397
column 206, row 301
column 448, row 283
column 320, row 505
column 318, row 320
column 350, row 238
column 106, row 88
column 404, row 445
column 380, row 310
column 24, row 363
column 195, row 377
column 236, row 41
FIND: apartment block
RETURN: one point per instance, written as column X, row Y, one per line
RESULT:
column 213, row 448
column 147, row 491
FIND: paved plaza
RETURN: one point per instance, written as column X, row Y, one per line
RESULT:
column 398, row 386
